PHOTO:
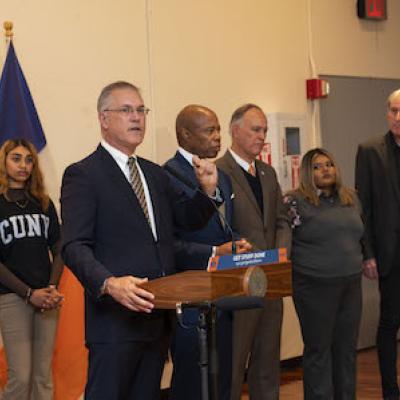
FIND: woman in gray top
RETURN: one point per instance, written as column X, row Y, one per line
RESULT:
column 327, row 259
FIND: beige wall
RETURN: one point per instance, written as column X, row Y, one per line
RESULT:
column 218, row 53
column 223, row 54
column 346, row 45
column 215, row 52
column 68, row 50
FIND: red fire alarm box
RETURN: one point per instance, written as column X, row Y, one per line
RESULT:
column 317, row 88
column 372, row 9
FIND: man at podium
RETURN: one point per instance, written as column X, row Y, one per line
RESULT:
column 119, row 212
column 198, row 133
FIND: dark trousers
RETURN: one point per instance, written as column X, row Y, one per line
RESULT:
column 329, row 310
column 186, row 381
column 125, row 371
column 389, row 323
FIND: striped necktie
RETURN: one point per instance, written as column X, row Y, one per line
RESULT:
column 137, row 186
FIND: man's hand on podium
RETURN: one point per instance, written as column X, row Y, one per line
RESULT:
column 242, row 246
column 126, row 290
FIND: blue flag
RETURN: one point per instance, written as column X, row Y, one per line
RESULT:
column 18, row 116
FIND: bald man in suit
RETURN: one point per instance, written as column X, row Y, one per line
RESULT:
column 198, row 133
column 259, row 216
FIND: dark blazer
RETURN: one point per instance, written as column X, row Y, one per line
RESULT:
column 192, row 252
column 105, row 233
column 377, row 183
column 194, row 248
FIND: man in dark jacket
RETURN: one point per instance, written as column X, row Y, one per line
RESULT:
column 119, row 213
column 378, row 185
column 198, row 133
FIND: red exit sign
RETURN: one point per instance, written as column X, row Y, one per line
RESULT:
column 372, row 9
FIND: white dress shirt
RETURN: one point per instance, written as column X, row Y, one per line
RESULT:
column 122, row 161
column 244, row 164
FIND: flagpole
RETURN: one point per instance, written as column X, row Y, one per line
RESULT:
column 8, row 26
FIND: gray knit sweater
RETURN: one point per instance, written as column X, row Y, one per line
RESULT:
column 327, row 238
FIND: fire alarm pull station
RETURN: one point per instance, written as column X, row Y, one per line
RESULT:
column 317, row 89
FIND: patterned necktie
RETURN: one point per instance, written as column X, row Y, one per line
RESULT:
column 252, row 170
column 137, row 186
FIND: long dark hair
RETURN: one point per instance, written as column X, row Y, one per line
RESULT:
column 307, row 186
column 35, row 184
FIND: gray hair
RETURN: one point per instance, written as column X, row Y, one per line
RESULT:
column 107, row 90
column 239, row 113
column 393, row 96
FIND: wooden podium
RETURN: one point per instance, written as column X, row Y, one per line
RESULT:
column 200, row 286
column 202, row 289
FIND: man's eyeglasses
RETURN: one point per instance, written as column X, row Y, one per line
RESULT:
column 394, row 111
column 142, row 110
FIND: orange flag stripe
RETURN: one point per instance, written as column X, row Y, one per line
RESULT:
column 70, row 354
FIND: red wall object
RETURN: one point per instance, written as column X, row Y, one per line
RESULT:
column 317, row 88
column 372, row 9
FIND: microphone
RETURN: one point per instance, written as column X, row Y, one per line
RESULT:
column 182, row 178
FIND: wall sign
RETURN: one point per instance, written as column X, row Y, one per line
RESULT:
column 372, row 9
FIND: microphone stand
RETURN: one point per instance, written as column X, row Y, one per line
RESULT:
column 207, row 334
column 208, row 358
column 213, row 353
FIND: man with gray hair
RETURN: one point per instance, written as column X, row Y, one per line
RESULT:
column 119, row 214
column 378, row 185
column 260, row 217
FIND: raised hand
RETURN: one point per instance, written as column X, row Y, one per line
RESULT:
column 206, row 173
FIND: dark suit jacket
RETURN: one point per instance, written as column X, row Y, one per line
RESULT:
column 377, row 182
column 194, row 248
column 264, row 232
column 105, row 233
